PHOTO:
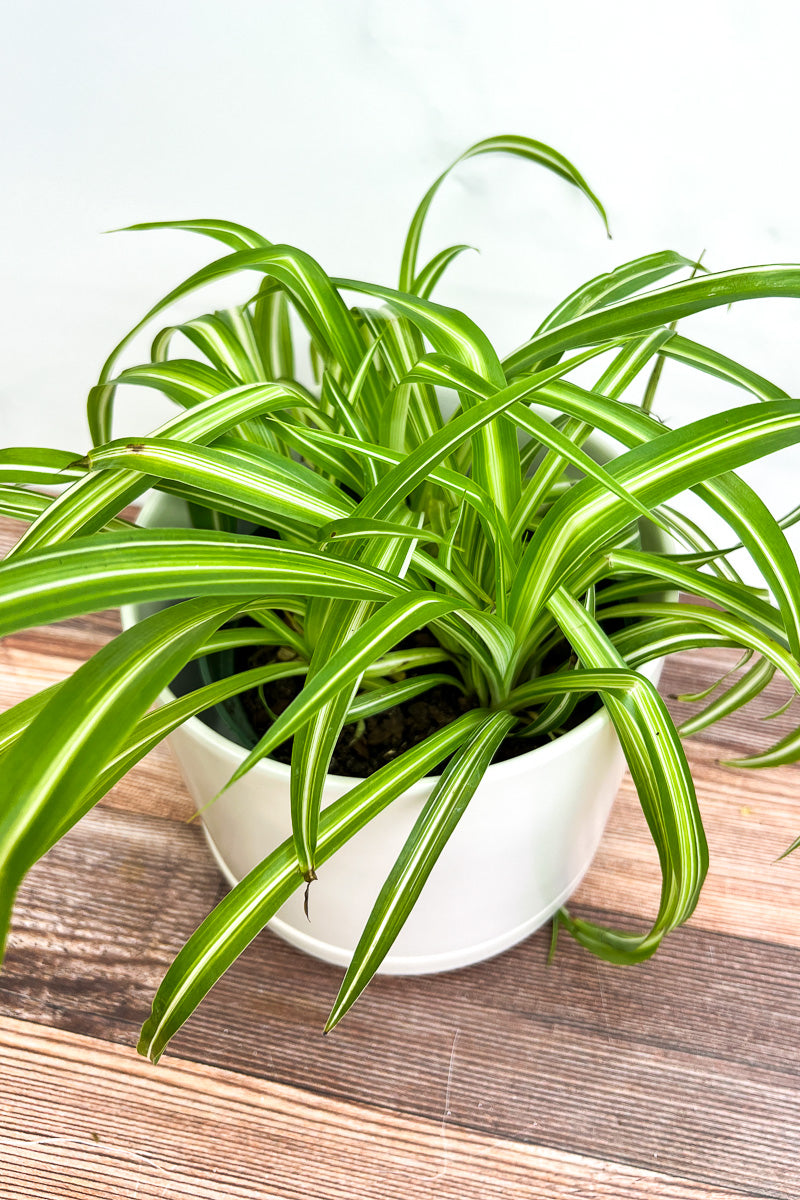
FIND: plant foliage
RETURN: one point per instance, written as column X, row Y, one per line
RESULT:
column 486, row 522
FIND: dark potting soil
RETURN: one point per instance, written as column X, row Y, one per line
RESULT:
column 365, row 746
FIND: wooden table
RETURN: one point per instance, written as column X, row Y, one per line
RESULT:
column 677, row 1079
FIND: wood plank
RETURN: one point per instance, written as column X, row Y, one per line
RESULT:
column 10, row 530
column 745, row 732
column 86, row 1120
column 750, row 818
column 685, row 1064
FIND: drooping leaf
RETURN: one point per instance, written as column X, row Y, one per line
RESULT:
column 105, row 570
column 243, row 912
column 664, row 784
column 522, row 147
column 50, row 767
column 439, row 817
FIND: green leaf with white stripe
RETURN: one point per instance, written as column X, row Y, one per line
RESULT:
column 501, row 400
column 659, row 307
column 370, row 704
column 273, row 332
column 745, row 689
column 618, row 284
column 740, row 633
column 432, row 272
column 330, row 627
column 351, row 528
column 50, row 767
column 437, row 821
column 90, row 503
column 781, row 754
column 259, row 483
column 236, row 237
column 586, row 517
column 315, row 298
column 31, row 464
column 664, row 784
column 396, row 619
column 726, row 494
column 105, row 570
column 522, row 147
column 711, row 362
column 244, row 912
column 454, row 334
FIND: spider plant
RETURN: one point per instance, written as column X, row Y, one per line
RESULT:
column 386, row 511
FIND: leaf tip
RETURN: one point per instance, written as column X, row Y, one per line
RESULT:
column 145, row 1046
column 739, row 763
column 551, row 953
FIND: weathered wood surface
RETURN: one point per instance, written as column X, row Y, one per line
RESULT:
column 676, row 1079
column 87, row 1119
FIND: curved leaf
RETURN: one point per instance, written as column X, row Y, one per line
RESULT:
column 94, row 500
column 659, row 307
column 432, row 272
column 664, row 784
column 523, row 147
column 33, row 464
column 378, row 634
column 618, row 284
column 238, row 237
column 751, row 684
column 90, row 574
column 244, row 912
column 587, row 517
column 49, row 768
column 439, row 817
column 263, row 482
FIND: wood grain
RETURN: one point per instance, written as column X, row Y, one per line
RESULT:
column 84, row 1120
column 750, row 818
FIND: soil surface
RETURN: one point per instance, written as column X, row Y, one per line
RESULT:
column 365, row 746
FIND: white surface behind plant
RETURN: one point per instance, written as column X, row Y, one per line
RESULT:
column 322, row 123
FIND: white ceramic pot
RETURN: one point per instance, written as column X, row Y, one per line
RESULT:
column 520, row 850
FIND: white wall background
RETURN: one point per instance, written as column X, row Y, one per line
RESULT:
column 321, row 122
